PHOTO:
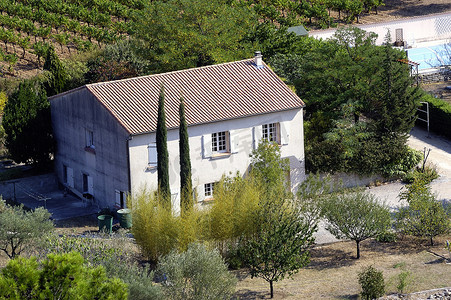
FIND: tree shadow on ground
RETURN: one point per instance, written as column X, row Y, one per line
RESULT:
column 422, row 10
column 248, row 294
column 320, row 258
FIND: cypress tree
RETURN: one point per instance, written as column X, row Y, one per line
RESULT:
column 186, row 186
column 57, row 78
column 162, row 152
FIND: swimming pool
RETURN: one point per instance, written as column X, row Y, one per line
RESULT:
column 430, row 56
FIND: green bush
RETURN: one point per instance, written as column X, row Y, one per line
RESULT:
column 158, row 230
column 196, row 274
column 372, row 283
column 62, row 276
column 439, row 115
column 404, row 279
column 427, row 175
column 18, row 227
column 139, row 279
column 386, row 237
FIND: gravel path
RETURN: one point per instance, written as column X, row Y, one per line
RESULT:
column 440, row 156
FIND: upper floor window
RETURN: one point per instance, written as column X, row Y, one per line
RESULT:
column 270, row 132
column 219, row 141
column 151, row 155
column 89, row 136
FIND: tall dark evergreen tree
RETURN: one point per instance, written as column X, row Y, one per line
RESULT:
column 28, row 126
column 57, row 77
column 162, row 152
column 186, row 185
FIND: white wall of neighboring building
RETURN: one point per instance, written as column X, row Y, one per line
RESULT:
column 415, row 30
column 208, row 168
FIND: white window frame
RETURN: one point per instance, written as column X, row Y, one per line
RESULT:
column 209, row 190
column 271, row 132
column 220, row 142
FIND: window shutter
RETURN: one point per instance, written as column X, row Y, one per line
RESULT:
column 200, row 191
column 152, row 153
column 257, row 135
column 90, row 185
column 284, row 135
column 234, row 141
column 70, row 177
column 118, row 198
column 206, row 145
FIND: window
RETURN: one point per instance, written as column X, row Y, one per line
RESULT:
column 89, row 135
column 208, row 189
column 152, row 155
column 88, row 184
column 65, row 174
column 270, row 132
column 219, row 141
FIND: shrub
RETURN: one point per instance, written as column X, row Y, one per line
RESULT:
column 386, row 237
column 62, row 276
column 196, row 274
column 424, row 216
column 139, row 279
column 158, row 231
column 231, row 215
column 439, row 115
column 372, row 283
column 18, row 228
column 426, row 175
column 404, row 279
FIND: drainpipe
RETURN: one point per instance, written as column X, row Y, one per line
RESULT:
column 130, row 137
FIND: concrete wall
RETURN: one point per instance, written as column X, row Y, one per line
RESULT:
column 211, row 169
column 107, row 164
column 415, row 30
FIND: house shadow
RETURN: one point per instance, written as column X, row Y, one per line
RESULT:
column 432, row 139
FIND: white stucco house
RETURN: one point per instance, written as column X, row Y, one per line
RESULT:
column 105, row 132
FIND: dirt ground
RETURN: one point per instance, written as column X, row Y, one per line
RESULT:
column 332, row 272
column 439, row 90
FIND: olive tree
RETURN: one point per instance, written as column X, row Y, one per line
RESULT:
column 356, row 216
column 19, row 227
column 424, row 216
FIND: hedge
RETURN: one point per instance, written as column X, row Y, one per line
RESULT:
column 439, row 115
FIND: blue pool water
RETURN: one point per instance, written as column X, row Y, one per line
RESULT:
column 429, row 57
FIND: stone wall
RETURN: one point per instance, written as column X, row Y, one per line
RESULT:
column 442, row 74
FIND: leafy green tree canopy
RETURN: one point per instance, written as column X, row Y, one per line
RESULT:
column 356, row 216
column 424, row 216
column 62, row 276
column 19, row 227
column 27, row 124
column 182, row 34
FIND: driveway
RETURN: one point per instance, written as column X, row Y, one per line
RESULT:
column 440, row 156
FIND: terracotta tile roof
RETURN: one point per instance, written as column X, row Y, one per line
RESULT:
column 212, row 93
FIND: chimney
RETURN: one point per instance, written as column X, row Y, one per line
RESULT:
column 258, row 60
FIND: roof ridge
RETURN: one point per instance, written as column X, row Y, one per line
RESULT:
column 167, row 73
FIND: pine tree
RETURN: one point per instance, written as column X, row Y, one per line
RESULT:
column 162, row 152
column 186, row 186
column 57, row 78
